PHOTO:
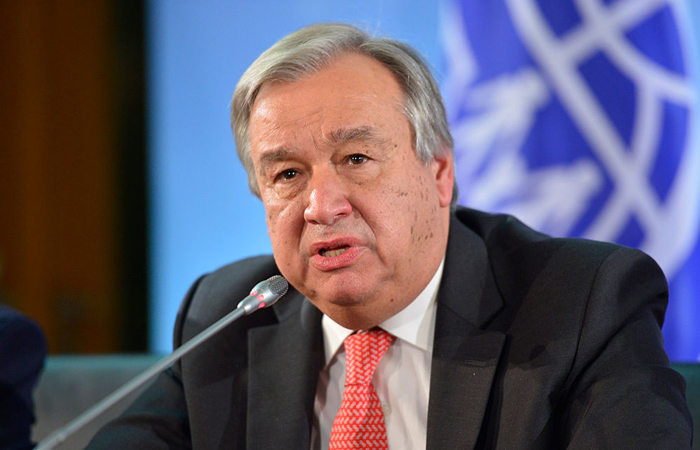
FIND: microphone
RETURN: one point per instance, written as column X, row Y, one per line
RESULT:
column 264, row 294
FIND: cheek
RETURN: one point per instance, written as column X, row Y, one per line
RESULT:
column 284, row 221
column 400, row 210
column 423, row 209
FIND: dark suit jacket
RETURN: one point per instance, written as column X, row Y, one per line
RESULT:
column 539, row 343
column 22, row 354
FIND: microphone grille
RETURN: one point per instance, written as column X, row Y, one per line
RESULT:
column 278, row 285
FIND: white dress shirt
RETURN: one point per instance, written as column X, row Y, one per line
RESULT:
column 402, row 378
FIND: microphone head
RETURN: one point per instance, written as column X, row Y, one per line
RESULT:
column 265, row 294
column 278, row 285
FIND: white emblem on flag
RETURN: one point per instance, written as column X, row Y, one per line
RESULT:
column 597, row 193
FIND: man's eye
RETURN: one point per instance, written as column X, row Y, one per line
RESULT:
column 357, row 159
column 287, row 174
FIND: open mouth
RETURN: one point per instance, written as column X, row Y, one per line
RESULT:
column 331, row 252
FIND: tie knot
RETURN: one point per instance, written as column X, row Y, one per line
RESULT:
column 363, row 350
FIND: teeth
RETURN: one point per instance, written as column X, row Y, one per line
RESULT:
column 332, row 253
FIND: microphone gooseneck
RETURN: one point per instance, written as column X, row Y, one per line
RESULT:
column 264, row 294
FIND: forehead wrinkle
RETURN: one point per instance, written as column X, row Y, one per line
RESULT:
column 341, row 136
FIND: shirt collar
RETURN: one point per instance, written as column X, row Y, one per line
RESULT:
column 415, row 324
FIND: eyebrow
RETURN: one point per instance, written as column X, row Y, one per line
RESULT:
column 273, row 156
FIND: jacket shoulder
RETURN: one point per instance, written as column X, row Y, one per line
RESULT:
column 505, row 234
column 524, row 260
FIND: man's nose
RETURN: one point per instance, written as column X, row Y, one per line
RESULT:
column 328, row 199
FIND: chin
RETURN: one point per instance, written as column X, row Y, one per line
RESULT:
column 342, row 305
column 344, row 289
column 342, row 298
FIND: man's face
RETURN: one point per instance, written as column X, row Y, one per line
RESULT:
column 358, row 223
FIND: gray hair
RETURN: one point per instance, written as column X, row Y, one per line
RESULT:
column 313, row 48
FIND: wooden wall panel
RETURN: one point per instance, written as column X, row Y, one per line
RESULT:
column 58, row 171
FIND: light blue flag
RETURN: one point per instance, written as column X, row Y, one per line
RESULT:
column 581, row 118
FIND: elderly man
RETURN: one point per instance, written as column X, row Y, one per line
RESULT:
column 477, row 332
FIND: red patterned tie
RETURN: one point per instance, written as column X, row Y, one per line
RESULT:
column 359, row 423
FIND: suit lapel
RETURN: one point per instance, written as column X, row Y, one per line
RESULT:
column 464, row 355
column 284, row 362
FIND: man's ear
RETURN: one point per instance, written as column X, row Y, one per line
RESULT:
column 443, row 172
